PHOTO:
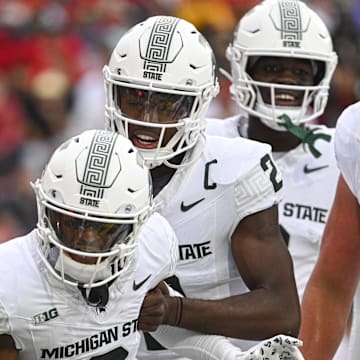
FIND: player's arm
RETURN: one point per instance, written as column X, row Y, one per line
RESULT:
column 161, row 306
column 272, row 305
column 329, row 294
column 194, row 345
column 7, row 348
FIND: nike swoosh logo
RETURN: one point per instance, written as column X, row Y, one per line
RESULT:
column 308, row 170
column 184, row 207
column 137, row 286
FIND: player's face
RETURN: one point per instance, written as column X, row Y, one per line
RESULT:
column 155, row 108
column 86, row 236
column 286, row 71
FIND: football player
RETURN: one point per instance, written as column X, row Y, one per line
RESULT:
column 73, row 287
column 282, row 61
column 281, row 88
column 220, row 195
column 330, row 292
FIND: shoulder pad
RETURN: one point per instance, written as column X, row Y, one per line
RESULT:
column 235, row 157
column 347, row 135
column 325, row 147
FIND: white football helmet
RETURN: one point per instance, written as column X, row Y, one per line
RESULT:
column 167, row 67
column 93, row 197
column 281, row 28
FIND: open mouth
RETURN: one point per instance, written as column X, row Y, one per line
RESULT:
column 283, row 97
column 288, row 99
column 145, row 140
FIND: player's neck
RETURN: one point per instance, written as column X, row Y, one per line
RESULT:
column 279, row 140
column 161, row 175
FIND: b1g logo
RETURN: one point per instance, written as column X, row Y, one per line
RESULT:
column 45, row 316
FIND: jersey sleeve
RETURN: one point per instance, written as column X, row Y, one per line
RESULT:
column 4, row 320
column 158, row 248
column 5, row 327
column 347, row 147
column 260, row 188
column 194, row 345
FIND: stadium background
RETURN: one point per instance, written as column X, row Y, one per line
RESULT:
column 51, row 87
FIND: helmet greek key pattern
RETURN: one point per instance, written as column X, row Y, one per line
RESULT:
column 97, row 164
column 290, row 20
column 159, row 43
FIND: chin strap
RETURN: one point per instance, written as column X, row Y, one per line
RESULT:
column 308, row 137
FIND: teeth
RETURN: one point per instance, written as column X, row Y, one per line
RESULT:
column 146, row 137
column 284, row 97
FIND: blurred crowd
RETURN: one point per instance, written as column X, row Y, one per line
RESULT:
column 51, row 86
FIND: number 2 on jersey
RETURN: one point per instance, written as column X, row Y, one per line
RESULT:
column 267, row 162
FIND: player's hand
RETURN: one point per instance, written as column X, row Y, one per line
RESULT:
column 280, row 347
column 154, row 308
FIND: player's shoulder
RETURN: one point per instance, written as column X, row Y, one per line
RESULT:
column 157, row 248
column 227, row 127
column 18, row 261
column 348, row 128
column 347, row 149
column 347, row 138
column 234, row 157
column 323, row 129
column 157, row 236
column 349, row 117
column 325, row 140
column 158, row 228
column 16, row 247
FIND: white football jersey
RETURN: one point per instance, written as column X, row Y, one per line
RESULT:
column 309, row 190
column 50, row 321
column 204, row 203
column 347, row 149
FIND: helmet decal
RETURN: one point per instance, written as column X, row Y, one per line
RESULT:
column 157, row 52
column 95, row 174
column 291, row 23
